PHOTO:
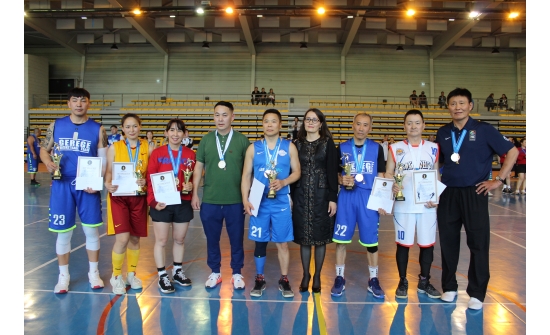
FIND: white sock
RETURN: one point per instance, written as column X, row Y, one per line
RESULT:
column 373, row 270
column 64, row 269
column 175, row 269
column 340, row 270
column 93, row 266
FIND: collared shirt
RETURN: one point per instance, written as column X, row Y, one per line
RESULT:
column 482, row 141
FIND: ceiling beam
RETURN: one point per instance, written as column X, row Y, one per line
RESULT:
column 354, row 27
column 243, row 19
column 145, row 26
column 47, row 27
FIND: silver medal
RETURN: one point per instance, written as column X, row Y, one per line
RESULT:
column 221, row 164
column 455, row 157
column 359, row 178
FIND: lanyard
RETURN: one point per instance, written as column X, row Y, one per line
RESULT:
column 457, row 145
column 358, row 164
column 415, row 159
column 132, row 158
column 272, row 159
column 220, row 153
column 175, row 166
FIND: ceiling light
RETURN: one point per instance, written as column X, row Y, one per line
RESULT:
column 229, row 10
column 172, row 16
column 200, row 10
column 137, row 11
column 303, row 45
column 495, row 51
column 411, row 12
column 84, row 18
column 513, row 15
column 474, row 15
column 321, row 10
column 400, row 48
column 259, row 15
column 350, row 16
column 451, row 19
column 114, row 47
column 205, row 45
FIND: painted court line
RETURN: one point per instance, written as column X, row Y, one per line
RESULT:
column 504, row 238
column 43, row 220
column 522, row 214
column 55, row 259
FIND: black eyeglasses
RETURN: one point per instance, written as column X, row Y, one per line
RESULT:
column 310, row 120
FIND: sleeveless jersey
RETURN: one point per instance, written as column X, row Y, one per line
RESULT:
column 427, row 156
column 74, row 141
column 370, row 162
column 36, row 146
column 282, row 167
column 113, row 138
column 121, row 154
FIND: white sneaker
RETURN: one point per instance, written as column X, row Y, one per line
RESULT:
column 474, row 303
column 213, row 280
column 62, row 285
column 118, row 285
column 133, row 281
column 238, row 282
column 449, row 296
column 95, row 280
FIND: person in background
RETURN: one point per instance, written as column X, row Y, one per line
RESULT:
column 521, row 167
column 503, row 102
column 263, row 96
column 256, row 97
column 33, row 155
column 490, row 102
column 151, row 140
column 115, row 136
column 295, row 126
column 413, row 99
column 187, row 141
column 506, row 188
column 423, row 100
column 271, row 97
column 442, row 100
column 385, row 145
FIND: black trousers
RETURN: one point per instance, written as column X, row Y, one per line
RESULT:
column 460, row 206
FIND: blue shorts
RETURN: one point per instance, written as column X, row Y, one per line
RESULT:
column 32, row 164
column 352, row 210
column 274, row 221
column 64, row 201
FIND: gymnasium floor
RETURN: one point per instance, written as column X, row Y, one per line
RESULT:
column 196, row 310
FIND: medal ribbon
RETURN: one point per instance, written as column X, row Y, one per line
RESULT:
column 134, row 158
column 272, row 158
column 358, row 165
column 457, row 145
column 415, row 159
column 220, row 153
column 175, row 165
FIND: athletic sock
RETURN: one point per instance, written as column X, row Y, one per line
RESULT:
column 161, row 271
column 64, row 269
column 117, row 259
column 373, row 270
column 132, row 257
column 93, row 267
column 340, row 270
column 176, row 267
column 260, row 262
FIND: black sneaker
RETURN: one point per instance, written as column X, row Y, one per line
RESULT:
column 424, row 286
column 259, row 286
column 35, row 183
column 402, row 288
column 165, row 285
column 284, row 287
column 179, row 278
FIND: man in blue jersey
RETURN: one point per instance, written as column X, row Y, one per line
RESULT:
column 366, row 159
column 74, row 135
column 115, row 136
column 33, row 155
column 274, row 162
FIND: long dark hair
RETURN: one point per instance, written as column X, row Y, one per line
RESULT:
column 323, row 131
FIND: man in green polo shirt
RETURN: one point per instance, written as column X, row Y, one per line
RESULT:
column 221, row 156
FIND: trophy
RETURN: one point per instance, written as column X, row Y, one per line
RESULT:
column 271, row 175
column 56, row 158
column 187, row 173
column 139, row 175
column 399, row 176
column 347, row 169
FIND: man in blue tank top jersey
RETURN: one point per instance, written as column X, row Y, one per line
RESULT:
column 76, row 135
column 366, row 158
column 115, row 136
column 33, row 155
column 273, row 221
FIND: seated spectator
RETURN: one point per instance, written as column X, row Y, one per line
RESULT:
column 255, row 96
column 442, row 100
column 431, row 138
column 413, row 99
column 423, row 100
column 187, row 141
column 263, row 96
column 503, row 102
column 271, row 97
column 490, row 102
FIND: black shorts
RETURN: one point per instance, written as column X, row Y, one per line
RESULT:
column 173, row 213
column 521, row 168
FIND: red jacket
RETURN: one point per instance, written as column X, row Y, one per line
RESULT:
column 521, row 156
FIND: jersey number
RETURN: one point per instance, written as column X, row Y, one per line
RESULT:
column 59, row 219
column 256, row 230
column 400, row 234
column 341, row 230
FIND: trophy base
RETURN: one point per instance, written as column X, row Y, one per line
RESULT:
column 398, row 198
column 271, row 195
column 184, row 192
column 56, row 177
column 349, row 188
column 141, row 193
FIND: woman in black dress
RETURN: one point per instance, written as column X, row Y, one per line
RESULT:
column 314, row 195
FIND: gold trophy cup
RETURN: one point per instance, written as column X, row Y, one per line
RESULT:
column 399, row 176
column 187, row 173
column 139, row 175
column 56, row 158
column 271, row 175
column 347, row 169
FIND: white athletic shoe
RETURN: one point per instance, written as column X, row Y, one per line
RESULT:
column 62, row 284
column 474, row 303
column 95, row 280
column 449, row 296
column 238, row 282
column 118, row 285
column 133, row 281
column 213, row 280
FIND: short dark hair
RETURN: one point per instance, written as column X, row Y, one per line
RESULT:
column 78, row 92
column 226, row 104
column 413, row 112
column 179, row 123
column 113, row 126
column 323, row 130
column 273, row 111
column 129, row 115
column 463, row 92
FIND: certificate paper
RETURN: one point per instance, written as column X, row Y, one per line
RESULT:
column 164, row 188
column 425, row 186
column 255, row 197
column 88, row 173
column 124, row 176
column 381, row 195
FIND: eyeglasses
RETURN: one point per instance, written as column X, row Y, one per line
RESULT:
column 310, row 120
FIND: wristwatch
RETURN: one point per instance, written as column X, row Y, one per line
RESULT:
column 499, row 179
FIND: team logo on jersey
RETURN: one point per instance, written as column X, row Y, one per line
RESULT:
column 68, row 144
column 282, row 153
column 472, row 135
column 399, row 152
